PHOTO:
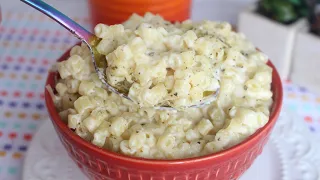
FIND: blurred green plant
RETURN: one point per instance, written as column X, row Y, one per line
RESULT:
column 284, row 11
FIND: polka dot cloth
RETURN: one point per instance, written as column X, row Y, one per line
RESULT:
column 305, row 104
column 29, row 45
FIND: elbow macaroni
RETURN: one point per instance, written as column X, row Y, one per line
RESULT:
column 161, row 63
column 144, row 63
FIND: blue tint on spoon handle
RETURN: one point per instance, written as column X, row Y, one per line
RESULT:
column 60, row 18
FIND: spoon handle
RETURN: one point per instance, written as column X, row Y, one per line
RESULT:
column 60, row 18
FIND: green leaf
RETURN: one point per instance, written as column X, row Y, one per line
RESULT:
column 284, row 12
column 266, row 5
column 303, row 12
column 296, row 2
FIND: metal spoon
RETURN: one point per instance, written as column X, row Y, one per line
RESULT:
column 90, row 40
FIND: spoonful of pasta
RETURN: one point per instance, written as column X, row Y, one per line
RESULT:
column 154, row 64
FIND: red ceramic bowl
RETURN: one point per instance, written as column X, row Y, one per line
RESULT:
column 100, row 164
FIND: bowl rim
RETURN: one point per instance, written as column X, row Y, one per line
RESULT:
column 275, row 111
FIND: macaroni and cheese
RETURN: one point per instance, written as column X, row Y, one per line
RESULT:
column 158, row 62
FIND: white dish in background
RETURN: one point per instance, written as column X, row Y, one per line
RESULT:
column 290, row 154
column 305, row 58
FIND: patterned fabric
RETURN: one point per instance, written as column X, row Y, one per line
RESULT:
column 29, row 44
column 305, row 103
